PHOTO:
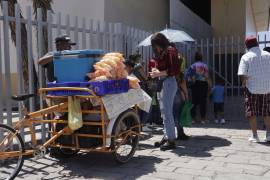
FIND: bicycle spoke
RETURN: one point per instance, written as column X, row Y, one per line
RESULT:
column 11, row 149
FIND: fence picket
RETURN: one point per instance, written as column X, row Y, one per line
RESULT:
column 98, row 39
column 30, row 57
column 76, row 32
column 105, row 35
column 111, row 37
column 91, row 28
column 68, row 24
column 58, row 24
column 83, row 33
column 213, row 62
column 219, row 56
column 49, row 30
column 207, row 51
column 1, row 82
column 226, row 62
column 238, row 59
column 232, row 62
column 7, row 63
column 40, row 69
column 19, row 60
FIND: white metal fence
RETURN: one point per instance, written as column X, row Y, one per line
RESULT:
column 222, row 56
column 87, row 33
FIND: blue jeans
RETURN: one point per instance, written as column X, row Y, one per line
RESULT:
column 166, row 98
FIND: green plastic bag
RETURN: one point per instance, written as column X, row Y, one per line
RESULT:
column 185, row 116
column 74, row 113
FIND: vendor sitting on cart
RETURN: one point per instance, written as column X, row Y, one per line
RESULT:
column 62, row 43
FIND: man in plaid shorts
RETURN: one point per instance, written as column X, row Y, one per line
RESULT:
column 254, row 71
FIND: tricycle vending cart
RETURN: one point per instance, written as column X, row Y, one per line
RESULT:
column 66, row 102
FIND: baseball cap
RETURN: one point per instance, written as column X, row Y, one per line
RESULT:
column 64, row 37
column 251, row 41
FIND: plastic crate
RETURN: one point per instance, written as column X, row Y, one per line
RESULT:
column 73, row 65
column 100, row 88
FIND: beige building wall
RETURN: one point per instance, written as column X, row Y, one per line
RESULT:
column 91, row 9
column 251, row 28
column 228, row 17
column 144, row 14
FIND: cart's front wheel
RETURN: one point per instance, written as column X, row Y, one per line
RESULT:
column 11, row 149
column 125, row 136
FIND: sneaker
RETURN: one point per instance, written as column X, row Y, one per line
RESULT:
column 168, row 146
column 146, row 129
column 160, row 143
column 267, row 139
column 222, row 121
column 216, row 121
column 254, row 139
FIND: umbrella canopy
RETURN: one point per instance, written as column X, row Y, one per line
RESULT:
column 173, row 36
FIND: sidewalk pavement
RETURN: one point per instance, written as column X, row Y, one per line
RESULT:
column 213, row 152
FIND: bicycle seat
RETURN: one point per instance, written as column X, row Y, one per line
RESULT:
column 22, row 97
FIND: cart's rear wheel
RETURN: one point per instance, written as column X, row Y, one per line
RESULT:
column 125, row 136
column 10, row 142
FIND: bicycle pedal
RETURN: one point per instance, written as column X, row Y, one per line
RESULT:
column 39, row 152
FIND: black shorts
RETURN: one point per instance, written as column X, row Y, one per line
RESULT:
column 218, row 107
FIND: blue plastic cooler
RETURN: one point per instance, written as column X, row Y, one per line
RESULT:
column 70, row 66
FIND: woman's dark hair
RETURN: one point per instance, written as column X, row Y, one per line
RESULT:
column 198, row 56
column 159, row 39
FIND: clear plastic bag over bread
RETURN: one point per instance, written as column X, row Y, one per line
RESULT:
column 111, row 66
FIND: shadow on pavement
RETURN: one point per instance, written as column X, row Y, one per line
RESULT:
column 91, row 165
column 264, row 143
column 239, row 125
column 200, row 146
column 103, row 166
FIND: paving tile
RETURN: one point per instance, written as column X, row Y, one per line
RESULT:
column 207, row 173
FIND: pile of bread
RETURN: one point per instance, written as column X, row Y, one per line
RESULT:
column 112, row 67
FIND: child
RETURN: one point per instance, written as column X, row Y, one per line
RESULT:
column 130, row 67
column 218, row 93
